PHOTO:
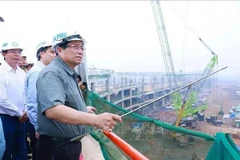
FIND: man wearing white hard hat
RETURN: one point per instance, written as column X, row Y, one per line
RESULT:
column 62, row 113
column 12, row 100
column 44, row 56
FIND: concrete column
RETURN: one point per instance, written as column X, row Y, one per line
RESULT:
column 131, row 82
column 108, row 97
column 163, row 100
column 93, row 87
column 143, row 85
column 154, row 97
column 126, row 81
column 122, row 104
column 122, row 84
column 122, row 94
column 114, row 84
column 154, row 89
column 131, row 96
column 107, row 84
column 156, row 82
column 163, row 82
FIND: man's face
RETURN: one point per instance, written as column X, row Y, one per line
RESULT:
column 23, row 61
column 12, row 56
column 73, row 54
column 82, row 87
column 79, row 83
column 48, row 56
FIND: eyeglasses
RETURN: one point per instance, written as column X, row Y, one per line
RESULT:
column 76, row 47
column 15, row 51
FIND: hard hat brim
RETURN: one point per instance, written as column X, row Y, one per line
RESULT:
column 75, row 39
column 10, row 49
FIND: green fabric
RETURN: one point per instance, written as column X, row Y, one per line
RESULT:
column 155, row 139
column 86, row 98
column 223, row 149
column 109, row 150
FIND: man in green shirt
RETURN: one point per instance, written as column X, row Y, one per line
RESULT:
column 62, row 113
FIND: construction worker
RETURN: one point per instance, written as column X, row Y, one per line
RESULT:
column 12, row 100
column 44, row 56
column 28, row 66
column 79, row 80
column 62, row 113
column 84, row 90
column 23, row 62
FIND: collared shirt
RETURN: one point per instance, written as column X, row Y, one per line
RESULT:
column 12, row 95
column 57, row 85
column 31, row 92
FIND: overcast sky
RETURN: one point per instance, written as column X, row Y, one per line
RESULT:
column 122, row 35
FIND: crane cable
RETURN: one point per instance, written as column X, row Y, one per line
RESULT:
column 185, row 36
column 185, row 21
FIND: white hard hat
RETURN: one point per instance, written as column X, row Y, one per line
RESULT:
column 43, row 44
column 10, row 45
column 63, row 37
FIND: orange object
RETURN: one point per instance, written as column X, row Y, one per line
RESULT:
column 81, row 157
column 125, row 147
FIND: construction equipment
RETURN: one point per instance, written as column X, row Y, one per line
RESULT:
column 168, row 62
column 163, row 39
column 182, row 108
column 213, row 119
column 196, row 89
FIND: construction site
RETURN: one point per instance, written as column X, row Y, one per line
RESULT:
column 170, row 115
column 203, row 106
column 145, row 135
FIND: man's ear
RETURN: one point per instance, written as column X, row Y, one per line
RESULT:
column 41, row 53
column 58, row 50
column 3, row 54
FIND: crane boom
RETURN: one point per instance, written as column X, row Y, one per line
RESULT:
column 163, row 39
column 206, row 71
column 208, row 68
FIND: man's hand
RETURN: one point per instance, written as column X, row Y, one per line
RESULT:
column 107, row 121
column 36, row 135
column 91, row 109
column 23, row 117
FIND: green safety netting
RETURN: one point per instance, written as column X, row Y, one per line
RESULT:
column 223, row 148
column 158, row 140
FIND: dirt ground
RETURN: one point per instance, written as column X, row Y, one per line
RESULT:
column 227, row 99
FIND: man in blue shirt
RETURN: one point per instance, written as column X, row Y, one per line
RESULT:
column 44, row 55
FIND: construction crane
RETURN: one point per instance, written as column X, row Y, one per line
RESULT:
column 208, row 68
column 163, row 39
column 186, row 109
